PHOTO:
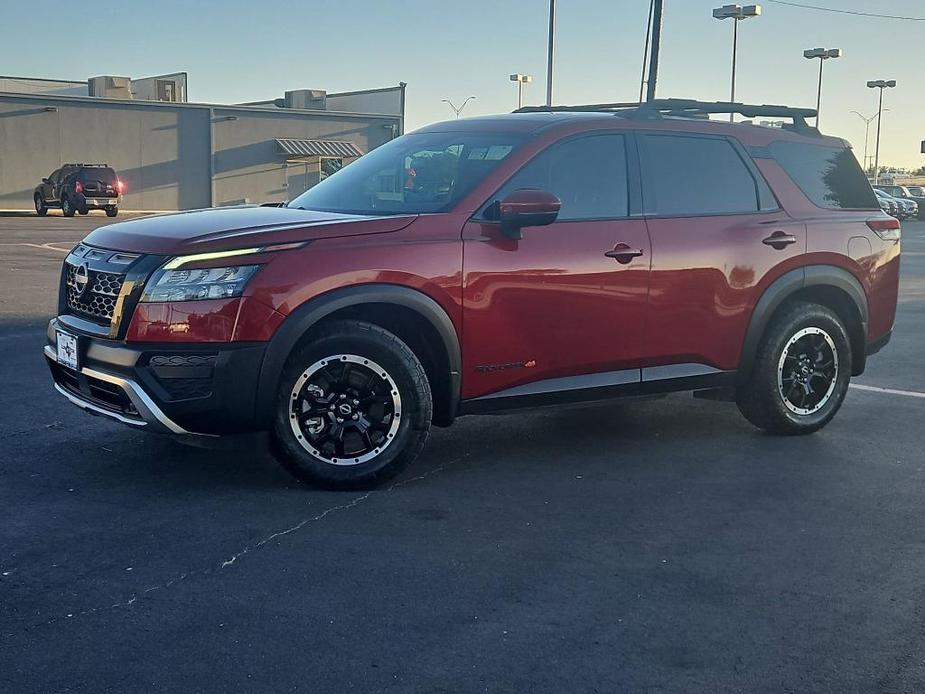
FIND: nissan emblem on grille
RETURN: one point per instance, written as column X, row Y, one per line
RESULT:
column 92, row 293
column 81, row 279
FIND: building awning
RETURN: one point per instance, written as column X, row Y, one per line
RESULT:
column 318, row 148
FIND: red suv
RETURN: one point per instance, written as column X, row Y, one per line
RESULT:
column 548, row 256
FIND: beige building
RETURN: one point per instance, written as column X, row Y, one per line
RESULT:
column 176, row 155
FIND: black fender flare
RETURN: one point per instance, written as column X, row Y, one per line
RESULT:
column 314, row 310
column 786, row 286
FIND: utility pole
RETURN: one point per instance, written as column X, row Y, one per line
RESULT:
column 657, row 10
column 551, row 51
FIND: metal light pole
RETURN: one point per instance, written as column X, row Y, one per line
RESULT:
column 823, row 54
column 456, row 110
column 736, row 13
column 551, row 51
column 881, row 85
column 521, row 81
column 867, row 122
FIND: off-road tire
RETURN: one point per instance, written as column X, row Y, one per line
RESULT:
column 761, row 400
column 364, row 341
column 40, row 208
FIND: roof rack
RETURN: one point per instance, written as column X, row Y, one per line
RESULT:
column 688, row 108
column 89, row 166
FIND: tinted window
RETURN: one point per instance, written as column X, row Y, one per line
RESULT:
column 696, row 176
column 587, row 174
column 412, row 174
column 829, row 176
column 101, row 174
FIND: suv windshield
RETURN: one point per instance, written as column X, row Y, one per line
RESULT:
column 413, row 174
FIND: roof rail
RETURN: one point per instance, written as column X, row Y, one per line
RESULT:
column 688, row 108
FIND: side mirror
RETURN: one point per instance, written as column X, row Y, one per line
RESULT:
column 527, row 208
column 45, row 180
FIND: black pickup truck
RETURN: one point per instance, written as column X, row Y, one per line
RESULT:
column 79, row 188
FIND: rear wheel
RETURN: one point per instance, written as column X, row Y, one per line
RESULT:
column 112, row 211
column 353, row 407
column 801, row 373
column 40, row 208
column 67, row 207
column 83, row 210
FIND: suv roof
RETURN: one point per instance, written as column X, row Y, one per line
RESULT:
column 672, row 112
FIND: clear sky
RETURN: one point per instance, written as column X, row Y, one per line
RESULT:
column 245, row 50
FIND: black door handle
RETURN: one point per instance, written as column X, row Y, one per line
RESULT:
column 623, row 253
column 779, row 240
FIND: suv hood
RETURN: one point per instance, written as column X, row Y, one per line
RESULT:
column 225, row 228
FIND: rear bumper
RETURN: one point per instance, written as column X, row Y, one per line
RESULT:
column 202, row 388
column 96, row 203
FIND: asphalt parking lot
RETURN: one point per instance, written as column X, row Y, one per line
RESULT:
column 659, row 546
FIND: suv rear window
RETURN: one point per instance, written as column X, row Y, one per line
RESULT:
column 829, row 176
column 688, row 175
column 101, row 174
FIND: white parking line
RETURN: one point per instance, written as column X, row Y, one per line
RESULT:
column 888, row 391
column 41, row 246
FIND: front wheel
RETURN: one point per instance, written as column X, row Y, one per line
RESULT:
column 353, row 408
column 40, row 208
column 801, row 373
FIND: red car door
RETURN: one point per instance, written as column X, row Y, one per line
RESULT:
column 564, row 307
column 717, row 235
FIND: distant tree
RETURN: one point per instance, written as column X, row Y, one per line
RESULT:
column 920, row 171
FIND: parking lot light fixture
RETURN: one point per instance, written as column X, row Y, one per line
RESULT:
column 521, row 81
column 822, row 54
column 867, row 122
column 459, row 109
column 881, row 85
column 736, row 13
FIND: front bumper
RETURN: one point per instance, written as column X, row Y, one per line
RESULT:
column 201, row 388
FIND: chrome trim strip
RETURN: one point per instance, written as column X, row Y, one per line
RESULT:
column 603, row 380
column 567, row 383
column 149, row 411
column 687, row 370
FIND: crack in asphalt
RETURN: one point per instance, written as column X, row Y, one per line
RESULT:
column 356, row 501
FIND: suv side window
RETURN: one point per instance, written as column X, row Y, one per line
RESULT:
column 687, row 175
column 829, row 176
column 588, row 174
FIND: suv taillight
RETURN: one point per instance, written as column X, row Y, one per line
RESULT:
column 79, row 187
column 120, row 186
column 886, row 229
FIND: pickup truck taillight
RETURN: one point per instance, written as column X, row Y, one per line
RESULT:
column 120, row 186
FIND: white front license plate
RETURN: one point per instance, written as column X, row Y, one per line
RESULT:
column 67, row 350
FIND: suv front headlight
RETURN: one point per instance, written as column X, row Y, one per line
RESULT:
column 191, row 285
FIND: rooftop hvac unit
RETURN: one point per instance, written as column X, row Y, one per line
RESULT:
column 110, row 87
column 308, row 99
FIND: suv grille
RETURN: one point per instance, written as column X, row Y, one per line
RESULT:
column 98, row 300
